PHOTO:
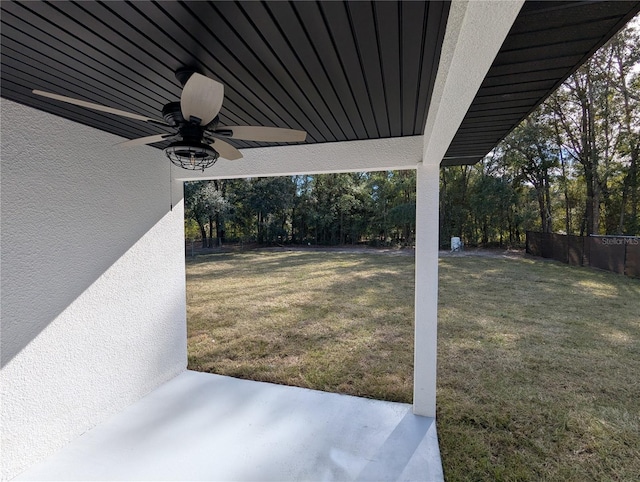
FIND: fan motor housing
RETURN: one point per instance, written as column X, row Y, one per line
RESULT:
column 172, row 114
column 190, row 132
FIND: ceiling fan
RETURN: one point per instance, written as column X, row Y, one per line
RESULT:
column 196, row 142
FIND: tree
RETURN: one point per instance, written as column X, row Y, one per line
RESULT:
column 530, row 151
column 271, row 199
column 217, row 208
column 626, row 56
column 206, row 205
column 196, row 208
column 596, row 114
column 454, row 202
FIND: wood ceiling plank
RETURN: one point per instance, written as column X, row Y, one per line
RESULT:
column 300, row 113
column 563, row 49
column 71, row 81
column 574, row 28
column 340, row 28
column 314, row 23
column 486, row 114
column 176, row 54
column 540, row 75
column 367, row 45
column 524, row 65
column 301, row 60
column 388, row 24
column 12, row 89
column 282, row 73
column 532, row 96
column 276, row 79
column 546, row 36
column 467, row 155
column 476, row 134
column 113, row 91
column 79, row 40
column 485, row 124
column 523, row 104
column 435, row 26
column 340, row 70
column 509, row 89
column 127, row 49
column 472, row 149
column 413, row 55
column 177, row 57
column 540, row 16
column 478, row 153
column 123, row 28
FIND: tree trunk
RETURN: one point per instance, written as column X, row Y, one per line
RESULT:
column 219, row 229
column 567, row 209
column 593, row 194
column 203, row 233
column 547, row 203
column 211, row 228
column 631, row 187
column 293, row 225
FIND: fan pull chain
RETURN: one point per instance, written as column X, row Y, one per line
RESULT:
column 170, row 189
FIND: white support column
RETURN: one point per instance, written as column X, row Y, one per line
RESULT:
column 475, row 32
column 426, row 290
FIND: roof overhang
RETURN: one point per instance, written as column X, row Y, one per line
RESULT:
column 546, row 44
column 342, row 71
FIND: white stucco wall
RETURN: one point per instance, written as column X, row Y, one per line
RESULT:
column 92, row 260
column 346, row 156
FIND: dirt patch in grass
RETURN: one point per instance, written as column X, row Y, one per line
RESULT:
column 538, row 361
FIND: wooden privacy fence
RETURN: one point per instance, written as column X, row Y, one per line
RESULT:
column 620, row 254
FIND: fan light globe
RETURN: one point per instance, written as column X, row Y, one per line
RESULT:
column 192, row 156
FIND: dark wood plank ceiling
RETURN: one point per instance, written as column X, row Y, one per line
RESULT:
column 339, row 70
column 547, row 43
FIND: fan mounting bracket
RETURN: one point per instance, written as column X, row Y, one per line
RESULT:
column 184, row 73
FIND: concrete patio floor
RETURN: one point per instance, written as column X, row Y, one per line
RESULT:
column 200, row 426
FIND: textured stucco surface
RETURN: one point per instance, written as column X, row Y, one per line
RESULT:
column 93, row 300
column 349, row 156
column 474, row 35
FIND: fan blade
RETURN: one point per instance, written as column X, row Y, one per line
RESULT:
column 202, row 98
column 266, row 134
column 226, row 150
column 141, row 141
column 101, row 108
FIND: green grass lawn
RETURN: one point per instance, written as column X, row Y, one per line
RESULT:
column 538, row 362
column 330, row 321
